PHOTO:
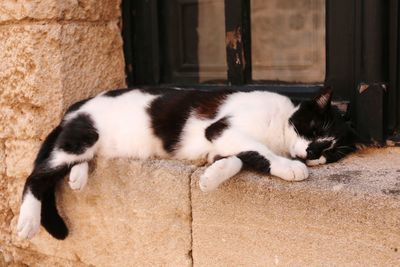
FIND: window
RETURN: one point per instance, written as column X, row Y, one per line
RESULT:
column 274, row 45
column 287, row 46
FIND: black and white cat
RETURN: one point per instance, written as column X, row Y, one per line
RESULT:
column 260, row 131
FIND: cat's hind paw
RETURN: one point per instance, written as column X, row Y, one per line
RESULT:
column 218, row 172
column 78, row 176
column 29, row 217
column 289, row 170
column 27, row 226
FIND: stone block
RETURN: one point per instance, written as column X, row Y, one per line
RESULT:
column 346, row 214
column 2, row 157
column 20, row 257
column 45, row 68
column 92, row 60
column 20, row 155
column 132, row 213
column 89, row 10
column 30, row 82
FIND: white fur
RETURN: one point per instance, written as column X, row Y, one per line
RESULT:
column 289, row 170
column 59, row 157
column 299, row 148
column 124, row 126
column 263, row 117
column 78, row 176
column 315, row 162
column 29, row 216
column 219, row 172
column 193, row 143
column 323, row 139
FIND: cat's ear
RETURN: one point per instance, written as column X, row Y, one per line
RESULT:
column 324, row 97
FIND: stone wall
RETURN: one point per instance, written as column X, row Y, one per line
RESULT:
column 52, row 54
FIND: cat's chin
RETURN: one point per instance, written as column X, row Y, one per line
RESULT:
column 315, row 162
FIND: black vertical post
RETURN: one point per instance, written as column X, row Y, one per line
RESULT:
column 392, row 104
column 146, row 65
column 371, row 68
column 127, row 34
column 238, row 41
column 340, row 44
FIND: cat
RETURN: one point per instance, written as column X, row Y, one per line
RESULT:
column 258, row 130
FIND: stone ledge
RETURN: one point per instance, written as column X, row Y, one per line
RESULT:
column 152, row 213
column 346, row 214
column 131, row 213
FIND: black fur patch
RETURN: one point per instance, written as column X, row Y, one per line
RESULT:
column 252, row 160
column 315, row 149
column 316, row 119
column 50, row 219
column 43, row 177
column 77, row 105
column 47, row 146
column 170, row 111
column 215, row 130
column 146, row 90
column 338, row 152
column 118, row 92
column 218, row 157
column 78, row 135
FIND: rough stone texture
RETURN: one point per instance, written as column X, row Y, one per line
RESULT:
column 2, row 158
column 346, row 214
column 93, row 60
column 131, row 213
column 20, row 155
column 30, row 79
column 52, row 54
column 135, row 213
column 45, row 68
column 5, row 212
column 88, row 10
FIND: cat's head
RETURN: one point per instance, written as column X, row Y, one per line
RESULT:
column 330, row 136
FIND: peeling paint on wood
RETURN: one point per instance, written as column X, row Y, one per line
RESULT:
column 237, row 38
column 235, row 56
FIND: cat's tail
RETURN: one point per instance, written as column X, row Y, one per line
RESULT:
column 38, row 199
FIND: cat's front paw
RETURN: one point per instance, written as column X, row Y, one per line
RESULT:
column 299, row 149
column 29, row 217
column 78, row 176
column 218, row 172
column 289, row 170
